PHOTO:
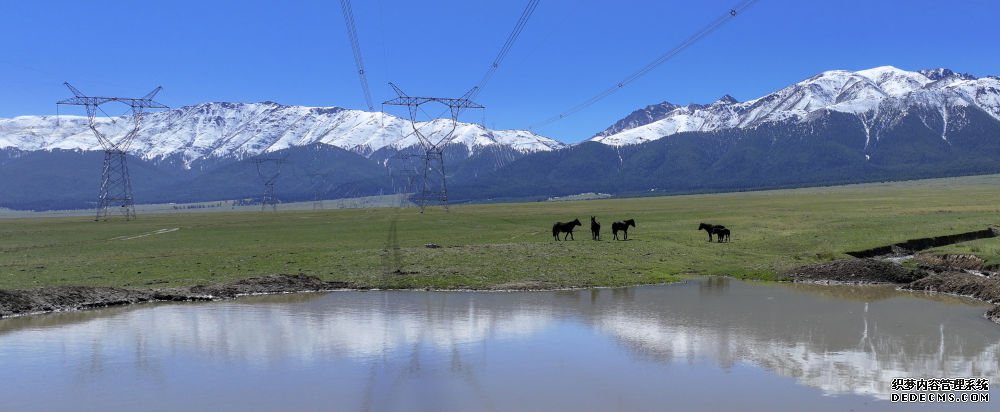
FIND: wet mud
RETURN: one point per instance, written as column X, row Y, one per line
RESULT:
column 70, row 298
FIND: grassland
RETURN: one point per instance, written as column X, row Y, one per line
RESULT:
column 498, row 246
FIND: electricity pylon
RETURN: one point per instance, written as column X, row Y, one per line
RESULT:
column 434, row 187
column 116, row 185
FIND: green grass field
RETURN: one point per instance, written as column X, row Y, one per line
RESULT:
column 500, row 245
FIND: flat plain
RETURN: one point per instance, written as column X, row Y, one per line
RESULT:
column 504, row 245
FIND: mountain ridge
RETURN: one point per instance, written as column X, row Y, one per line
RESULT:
column 883, row 91
column 225, row 129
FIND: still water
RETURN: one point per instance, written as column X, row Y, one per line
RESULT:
column 707, row 344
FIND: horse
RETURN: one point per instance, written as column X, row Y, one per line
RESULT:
column 565, row 227
column 710, row 229
column 622, row 226
column 595, row 228
column 722, row 234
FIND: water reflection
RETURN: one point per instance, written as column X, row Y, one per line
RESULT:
column 557, row 350
column 841, row 339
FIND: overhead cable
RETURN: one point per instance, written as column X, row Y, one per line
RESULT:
column 352, row 34
column 688, row 42
column 511, row 38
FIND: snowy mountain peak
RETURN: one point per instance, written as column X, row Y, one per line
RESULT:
column 725, row 100
column 882, row 92
column 641, row 117
column 942, row 73
column 224, row 129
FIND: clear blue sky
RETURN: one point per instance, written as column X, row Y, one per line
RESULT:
column 297, row 52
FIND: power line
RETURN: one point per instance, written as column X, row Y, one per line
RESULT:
column 511, row 38
column 688, row 42
column 352, row 34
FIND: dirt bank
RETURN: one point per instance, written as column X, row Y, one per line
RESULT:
column 959, row 283
column 857, row 271
column 994, row 314
column 68, row 298
column 934, row 274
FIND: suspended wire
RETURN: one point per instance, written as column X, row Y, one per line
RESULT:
column 511, row 38
column 688, row 42
column 352, row 34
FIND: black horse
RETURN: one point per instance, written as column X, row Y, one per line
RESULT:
column 567, row 227
column 622, row 226
column 710, row 228
column 595, row 228
column 722, row 234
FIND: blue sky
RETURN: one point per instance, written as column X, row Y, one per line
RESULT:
column 297, row 52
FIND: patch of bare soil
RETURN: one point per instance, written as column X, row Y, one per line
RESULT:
column 858, row 271
column 70, row 298
column 960, row 283
column 523, row 285
column 971, row 262
column 267, row 285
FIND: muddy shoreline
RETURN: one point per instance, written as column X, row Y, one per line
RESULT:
column 958, row 275
column 20, row 302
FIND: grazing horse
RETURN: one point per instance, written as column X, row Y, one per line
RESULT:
column 622, row 226
column 722, row 234
column 710, row 228
column 567, row 227
column 595, row 228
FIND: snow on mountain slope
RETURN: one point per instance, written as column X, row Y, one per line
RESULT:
column 878, row 96
column 242, row 129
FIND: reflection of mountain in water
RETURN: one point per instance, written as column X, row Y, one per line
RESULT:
column 821, row 339
column 841, row 340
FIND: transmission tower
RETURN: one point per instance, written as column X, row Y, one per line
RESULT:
column 116, row 186
column 268, row 169
column 434, row 186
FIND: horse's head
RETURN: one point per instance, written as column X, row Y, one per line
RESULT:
column 704, row 226
column 576, row 222
column 630, row 222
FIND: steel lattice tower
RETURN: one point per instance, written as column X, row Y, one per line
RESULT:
column 435, row 187
column 116, row 185
column 268, row 174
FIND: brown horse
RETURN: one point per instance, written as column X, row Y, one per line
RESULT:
column 567, row 228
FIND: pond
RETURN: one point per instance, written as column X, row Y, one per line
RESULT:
column 705, row 344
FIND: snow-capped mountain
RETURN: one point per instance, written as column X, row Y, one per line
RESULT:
column 246, row 129
column 878, row 97
column 834, row 128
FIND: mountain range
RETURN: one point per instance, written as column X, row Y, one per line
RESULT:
column 838, row 126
